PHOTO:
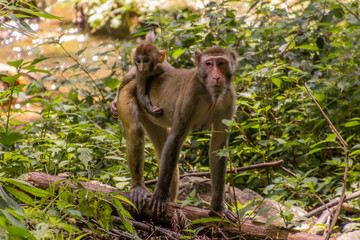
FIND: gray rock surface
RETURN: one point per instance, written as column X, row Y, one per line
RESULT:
column 202, row 186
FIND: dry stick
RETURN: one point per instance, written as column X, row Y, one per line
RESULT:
column 342, row 197
column 288, row 171
column 331, row 204
column 235, row 170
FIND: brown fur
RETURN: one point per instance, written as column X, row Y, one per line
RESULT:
column 190, row 99
column 149, row 62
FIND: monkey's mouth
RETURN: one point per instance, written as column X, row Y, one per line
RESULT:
column 217, row 89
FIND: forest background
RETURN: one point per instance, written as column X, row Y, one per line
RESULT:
column 281, row 46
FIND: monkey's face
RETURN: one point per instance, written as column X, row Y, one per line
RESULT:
column 215, row 72
column 144, row 63
column 216, row 66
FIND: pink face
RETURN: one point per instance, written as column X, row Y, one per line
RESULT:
column 216, row 67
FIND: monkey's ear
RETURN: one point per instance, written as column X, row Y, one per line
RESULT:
column 162, row 55
column 198, row 55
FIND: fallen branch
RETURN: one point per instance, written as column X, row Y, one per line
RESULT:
column 45, row 181
column 234, row 170
column 331, row 204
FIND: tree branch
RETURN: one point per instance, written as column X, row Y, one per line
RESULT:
column 254, row 229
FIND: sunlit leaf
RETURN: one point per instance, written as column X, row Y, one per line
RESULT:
column 178, row 52
column 276, row 81
column 17, row 63
column 112, row 83
column 308, row 47
column 352, row 124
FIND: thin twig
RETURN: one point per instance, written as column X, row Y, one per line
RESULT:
column 346, row 151
column 288, row 171
column 348, row 9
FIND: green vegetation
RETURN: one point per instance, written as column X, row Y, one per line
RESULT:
column 312, row 42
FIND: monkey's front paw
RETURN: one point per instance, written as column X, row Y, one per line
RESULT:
column 113, row 108
column 158, row 204
column 138, row 196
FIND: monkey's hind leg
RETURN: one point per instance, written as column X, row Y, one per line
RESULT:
column 135, row 144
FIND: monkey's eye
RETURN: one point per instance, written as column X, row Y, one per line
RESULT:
column 146, row 60
column 138, row 61
column 221, row 63
column 208, row 63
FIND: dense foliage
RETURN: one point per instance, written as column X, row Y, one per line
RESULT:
column 280, row 48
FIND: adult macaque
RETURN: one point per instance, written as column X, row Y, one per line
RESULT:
column 190, row 99
column 149, row 62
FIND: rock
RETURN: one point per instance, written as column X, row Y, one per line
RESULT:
column 350, row 236
column 202, row 186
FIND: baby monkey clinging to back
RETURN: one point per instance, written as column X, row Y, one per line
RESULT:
column 149, row 61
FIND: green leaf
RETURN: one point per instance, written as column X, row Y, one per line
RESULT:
column 320, row 97
column 20, row 233
column 352, row 124
column 227, row 122
column 78, row 53
column 37, row 192
column 16, row 64
column 356, row 152
column 14, row 221
column 39, row 13
column 123, row 214
column 178, row 52
column 112, row 83
column 264, row 210
column 67, row 227
column 277, row 82
column 338, row 12
column 207, row 220
column 26, row 27
column 308, row 47
column 124, row 199
column 8, row 201
column 314, row 151
column 85, row 156
column 10, row 138
column 81, row 236
column 270, row 220
column 186, row 202
column 20, row 196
